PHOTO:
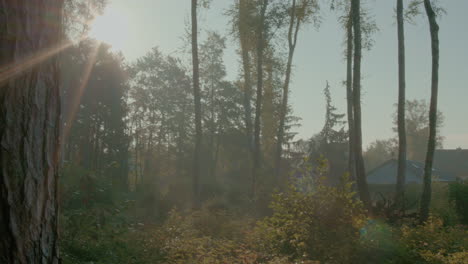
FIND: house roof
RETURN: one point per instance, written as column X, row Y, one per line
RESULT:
column 386, row 173
column 454, row 161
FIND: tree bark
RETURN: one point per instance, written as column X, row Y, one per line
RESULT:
column 212, row 133
column 292, row 40
column 400, row 184
column 258, row 104
column 196, row 94
column 243, row 36
column 349, row 98
column 216, row 157
column 30, row 36
column 360, row 169
column 434, row 30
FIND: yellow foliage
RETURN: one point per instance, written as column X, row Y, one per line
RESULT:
column 320, row 225
column 435, row 243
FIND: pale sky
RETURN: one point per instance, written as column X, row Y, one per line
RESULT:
column 143, row 24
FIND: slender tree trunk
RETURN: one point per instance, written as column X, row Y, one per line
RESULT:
column 349, row 98
column 149, row 158
column 141, row 156
column 434, row 30
column 216, row 156
column 138, row 178
column 360, row 169
column 97, row 145
column 135, row 160
column 243, row 37
column 400, row 185
column 181, row 140
column 292, row 39
column 269, row 121
column 196, row 93
column 30, row 36
column 258, row 105
column 212, row 133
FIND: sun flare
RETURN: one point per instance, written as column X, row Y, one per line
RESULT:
column 112, row 27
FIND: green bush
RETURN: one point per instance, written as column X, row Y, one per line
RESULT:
column 380, row 243
column 441, row 205
column 95, row 225
column 214, row 220
column 310, row 223
column 322, row 225
column 458, row 194
column 192, row 238
column 435, row 243
column 102, row 238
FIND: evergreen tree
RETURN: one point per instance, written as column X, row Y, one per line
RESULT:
column 331, row 142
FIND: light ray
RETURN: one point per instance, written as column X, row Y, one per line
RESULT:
column 76, row 99
column 11, row 71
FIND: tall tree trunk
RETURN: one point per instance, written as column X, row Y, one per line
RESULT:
column 30, row 35
column 269, row 120
column 243, row 37
column 349, row 98
column 292, row 39
column 400, row 185
column 212, row 133
column 360, row 169
column 196, row 94
column 258, row 105
column 180, row 145
column 434, row 30
column 216, row 156
column 141, row 155
column 138, row 177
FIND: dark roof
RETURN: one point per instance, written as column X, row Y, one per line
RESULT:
column 454, row 161
column 386, row 173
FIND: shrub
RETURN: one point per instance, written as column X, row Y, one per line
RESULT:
column 205, row 236
column 322, row 225
column 101, row 238
column 458, row 194
column 215, row 221
column 379, row 243
column 442, row 206
column 435, row 243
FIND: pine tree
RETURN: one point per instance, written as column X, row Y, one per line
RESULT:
column 31, row 38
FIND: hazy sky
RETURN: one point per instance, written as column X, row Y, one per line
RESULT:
column 143, row 24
